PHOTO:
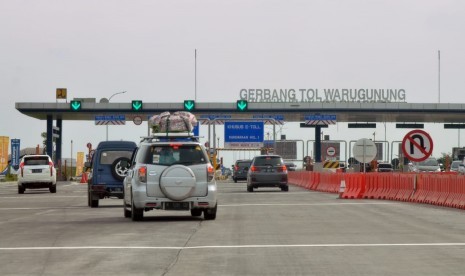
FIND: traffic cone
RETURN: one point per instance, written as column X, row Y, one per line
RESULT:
column 84, row 177
column 342, row 188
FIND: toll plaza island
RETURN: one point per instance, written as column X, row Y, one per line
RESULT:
column 361, row 108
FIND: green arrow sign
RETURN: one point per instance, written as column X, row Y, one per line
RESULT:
column 189, row 105
column 242, row 105
column 75, row 105
column 136, row 105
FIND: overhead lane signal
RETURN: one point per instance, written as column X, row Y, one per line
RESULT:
column 75, row 105
column 189, row 105
column 242, row 105
column 136, row 105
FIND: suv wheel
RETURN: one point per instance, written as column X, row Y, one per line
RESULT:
column 235, row 180
column 21, row 190
column 136, row 213
column 117, row 170
column 53, row 189
column 249, row 189
column 210, row 214
column 196, row 212
column 127, row 213
column 284, row 188
column 93, row 202
column 88, row 195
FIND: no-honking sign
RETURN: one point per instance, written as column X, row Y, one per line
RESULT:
column 417, row 145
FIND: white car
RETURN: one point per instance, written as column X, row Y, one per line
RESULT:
column 35, row 172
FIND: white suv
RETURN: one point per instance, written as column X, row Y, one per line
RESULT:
column 170, row 172
column 37, row 171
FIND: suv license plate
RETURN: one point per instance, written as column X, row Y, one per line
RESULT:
column 36, row 170
column 176, row 205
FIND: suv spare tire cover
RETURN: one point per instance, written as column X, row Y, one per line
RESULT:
column 177, row 182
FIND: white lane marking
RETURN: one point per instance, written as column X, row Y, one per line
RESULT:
column 45, row 208
column 308, row 204
column 38, row 196
column 234, row 246
column 220, row 205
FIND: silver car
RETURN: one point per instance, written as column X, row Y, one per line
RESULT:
column 428, row 165
column 170, row 173
column 267, row 171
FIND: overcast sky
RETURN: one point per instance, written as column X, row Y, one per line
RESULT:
column 97, row 48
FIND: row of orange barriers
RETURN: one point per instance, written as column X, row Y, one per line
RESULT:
column 437, row 189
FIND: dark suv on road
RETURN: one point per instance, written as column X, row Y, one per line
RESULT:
column 241, row 167
column 267, row 171
column 110, row 164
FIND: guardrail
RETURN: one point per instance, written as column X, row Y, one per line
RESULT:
column 442, row 189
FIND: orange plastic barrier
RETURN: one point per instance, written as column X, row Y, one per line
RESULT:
column 406, row 184
column 458, row 195
column 430, row 188
column 355, row 185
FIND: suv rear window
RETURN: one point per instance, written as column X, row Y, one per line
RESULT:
column 243, row 164
column 171, row 154
column 108, row 157
column 39, row 160
column 268, row 161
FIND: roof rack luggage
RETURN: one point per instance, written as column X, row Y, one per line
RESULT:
column 171, row 136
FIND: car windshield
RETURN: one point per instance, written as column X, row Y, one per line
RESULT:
column 429, row 162
column 455, row 165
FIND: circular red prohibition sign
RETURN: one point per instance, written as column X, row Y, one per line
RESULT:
column 417, row 145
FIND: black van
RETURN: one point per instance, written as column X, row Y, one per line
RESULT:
column 241, row 167
column 109, row 166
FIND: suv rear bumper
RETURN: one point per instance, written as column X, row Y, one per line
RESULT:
column 36, row 184
column 102, row 191
column 141, row 200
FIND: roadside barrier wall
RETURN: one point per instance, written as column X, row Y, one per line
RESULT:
column 442, row 189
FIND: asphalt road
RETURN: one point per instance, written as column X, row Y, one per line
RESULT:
column 267, row 232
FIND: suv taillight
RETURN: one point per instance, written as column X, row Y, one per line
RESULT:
column 283, row 168
column 22, row 168
column 255, row 169
column 142, row 172
column 210, row 173
column 236, row 168
column 51, row 167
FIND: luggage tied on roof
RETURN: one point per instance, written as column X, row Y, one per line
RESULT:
column 179, row 121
